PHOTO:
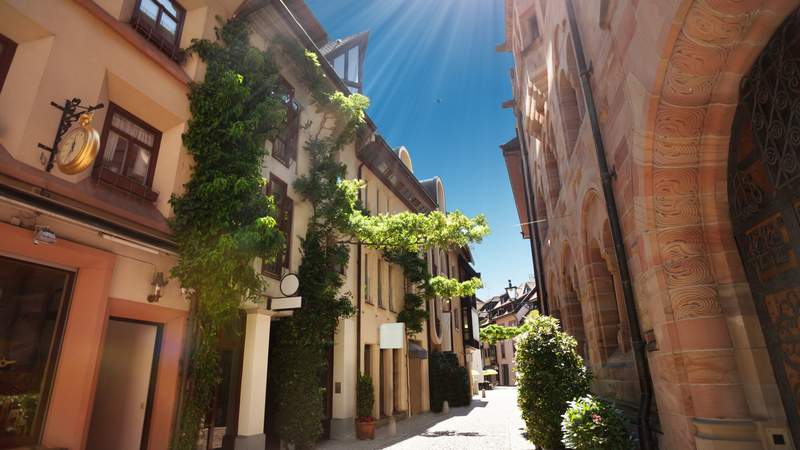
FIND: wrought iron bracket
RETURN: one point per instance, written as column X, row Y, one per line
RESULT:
column 70, row 112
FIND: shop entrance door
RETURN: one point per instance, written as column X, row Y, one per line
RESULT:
column 125, row 386
column 33, row 309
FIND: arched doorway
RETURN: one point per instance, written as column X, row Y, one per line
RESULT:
column 764, row 191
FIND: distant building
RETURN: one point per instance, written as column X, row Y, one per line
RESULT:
column 502, row 310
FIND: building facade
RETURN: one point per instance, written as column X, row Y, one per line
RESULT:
column 654, row 172
column 94, row 330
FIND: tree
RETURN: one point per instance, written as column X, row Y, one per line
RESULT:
column 550, row 373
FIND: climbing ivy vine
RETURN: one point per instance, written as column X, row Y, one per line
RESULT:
column 223, row 220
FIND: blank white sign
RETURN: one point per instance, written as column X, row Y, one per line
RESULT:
column 392, row 335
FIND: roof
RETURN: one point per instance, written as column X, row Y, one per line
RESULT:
column 307, row 20
column 430, row 187
column 333, row 46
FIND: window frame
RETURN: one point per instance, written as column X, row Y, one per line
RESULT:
column 285, row 220
column 121, row 180
column 290, row 127
column 141, row 22
column 6, row 57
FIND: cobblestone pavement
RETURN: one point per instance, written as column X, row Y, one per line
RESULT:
column 490, row 423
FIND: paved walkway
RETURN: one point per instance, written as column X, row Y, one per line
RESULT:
column 490, row 423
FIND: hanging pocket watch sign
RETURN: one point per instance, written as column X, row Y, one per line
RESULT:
column 73, row 150
column 78, row 147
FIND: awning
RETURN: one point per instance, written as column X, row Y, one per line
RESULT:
column 416, row 351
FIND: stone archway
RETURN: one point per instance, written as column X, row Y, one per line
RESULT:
column 701, row 305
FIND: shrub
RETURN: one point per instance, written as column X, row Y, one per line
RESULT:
column 550, row 373
column 448, row 381
column 593, row 423
column 365, row 398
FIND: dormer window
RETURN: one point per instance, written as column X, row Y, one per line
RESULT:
column 347, row 66
column 161, row 22
column 346, row 55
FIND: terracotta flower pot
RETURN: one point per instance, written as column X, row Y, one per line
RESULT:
column 365, row 428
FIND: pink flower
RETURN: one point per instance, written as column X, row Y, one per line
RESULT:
column 596, row 418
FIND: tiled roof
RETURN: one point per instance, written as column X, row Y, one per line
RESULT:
column 334, row 45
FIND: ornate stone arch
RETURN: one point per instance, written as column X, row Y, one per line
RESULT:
column 570, row 299
column 608, row 330
column 693, row 267
column 551, row 169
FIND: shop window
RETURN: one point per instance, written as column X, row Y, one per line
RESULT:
column 128, row 153
column 7, row 50
column 161, row 22
column 33, row 304
column 284, row 146
column 279, row 191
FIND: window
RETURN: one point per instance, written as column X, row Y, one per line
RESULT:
column 284, row 146
column 366, row 198
column 128, row 153
column 279, row 191
column 366, row 279
column 352, row 65
column 391, row 293
column 380, row 284
column 348, row 66
column 502, row 349
column 338, row 66
column 7, row 50
column 34, row 305
column 161, row 22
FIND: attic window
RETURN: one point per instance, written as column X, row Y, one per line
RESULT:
column 348, row 66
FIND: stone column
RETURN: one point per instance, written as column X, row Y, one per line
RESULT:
column 253, row 394
column 388, row 382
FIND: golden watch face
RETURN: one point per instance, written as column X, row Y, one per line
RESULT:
column 72, row 145
column 77, row 149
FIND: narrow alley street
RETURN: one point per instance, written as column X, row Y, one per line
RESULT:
column 490, row 423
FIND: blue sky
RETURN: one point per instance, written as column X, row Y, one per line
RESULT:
column 436, row 84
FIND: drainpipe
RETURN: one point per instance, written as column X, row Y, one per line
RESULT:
column 639, row 352
column 533, row 227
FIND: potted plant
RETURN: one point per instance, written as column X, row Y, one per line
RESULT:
column 365, row 399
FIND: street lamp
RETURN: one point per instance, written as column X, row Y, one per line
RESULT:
column 511, row 290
